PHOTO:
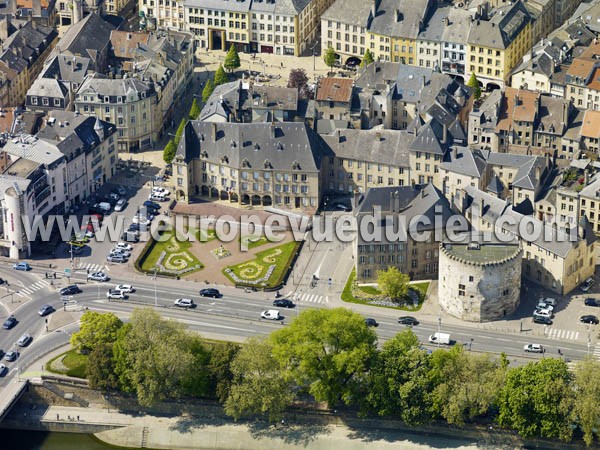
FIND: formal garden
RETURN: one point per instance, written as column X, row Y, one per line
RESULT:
column 171, row 256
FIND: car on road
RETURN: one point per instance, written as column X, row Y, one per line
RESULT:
column 45, row 310
column 592, row 302
column 210, row 292
column 127, row 288
column 3, row 370
column 24, row 340
column 270, row 314
column 184, row 303
column 587, row 285
column 370, row 322
column 120, row 251
column 70, row 290
column 116, row 258
column 533, row 348
column 98, row 276
column 543, row 320
column 121, row 204
column 22, row 266
column 9, row 323
column 116, row 294
column 124, row 246
column 11, row 356
column 284, row 303
column 589, row 319
column 408, row 320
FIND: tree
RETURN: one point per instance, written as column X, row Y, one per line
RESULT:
column 100, row 369
column 399, row 383
column 586, row 410
column 179, row 132
column 327, row 351
column 537, row 400
column 95, row 329
column 232, row 59
column 194, row 110
column 208, row 90
column 197, row 383
column 258, row 386
column 220, row 77
column 219, row 369
column 367, row 58
column 393, row 283
column 299, row 80
column 473, row 83
column 330, row 57
column 169, row 152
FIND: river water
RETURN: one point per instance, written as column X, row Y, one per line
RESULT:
column 37, row 440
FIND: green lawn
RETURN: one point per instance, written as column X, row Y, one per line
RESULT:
column 75, row 363
column 257, row 267
column 182, row 246
column 254, row 243
column 348, row 296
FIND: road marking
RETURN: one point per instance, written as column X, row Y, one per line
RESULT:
column 35, row 287
column 560, row 334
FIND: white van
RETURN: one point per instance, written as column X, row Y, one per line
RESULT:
column 543, row 313
column 104, row 206
column 270, row 314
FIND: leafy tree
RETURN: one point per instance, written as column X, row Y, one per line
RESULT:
column 220, row 77
column 393, row 283
column 219, row 369
column 179, row 132
column 169, row 151
column 399, row 383
column 330, row 57
column 474, row 84
column 467, row 385
column 100, row 369
column 95, row 329
column 232, row 59
column 194, row 110
column 299, row 80
column 258, row 386
column 537, row 400
column 208, row 90
column 367, row 58
column 586, row 410
column 328, row 351
column 197, row 384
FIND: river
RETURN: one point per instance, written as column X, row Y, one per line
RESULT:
column 38, row 440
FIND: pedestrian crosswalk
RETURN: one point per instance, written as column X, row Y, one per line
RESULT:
column 91, row 268
column 597, row 351
column 311, row 298
column 557, row 333
column 32, row 288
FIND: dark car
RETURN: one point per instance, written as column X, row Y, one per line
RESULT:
column 45, row 310
column 70, row 290
column 592, row 302
column 151, row 205
column 9, row 323
column 371, row 322
column 134, row 227
column 3, row 370
column 543, row 320
column 11, row 356
column 408, row 320
column 210, row 292
column 589, row 319
column 284, row 303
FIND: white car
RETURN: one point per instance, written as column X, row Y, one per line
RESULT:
column 142, row 221
column 98, row 276
column 160, row 190
column 124, row 246
column 116, row 294
column 270, row 314
column 545, row 306
column 543, row 313
column 587, row 284
column 533, row 348
column 118, row 251
column 184, row 302
column 120, row 206
column 126, row 288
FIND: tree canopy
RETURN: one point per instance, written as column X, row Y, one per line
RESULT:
column 473, row 83
column 330, row 57
column 220, row 77
column 367, row 58
column 96, row 328
column 232, row 59
column 392, row 283
column 586, row 410
column 169, row 152
column 194, row 110
column 208, row 90
column 179, row 132
column 299, row 80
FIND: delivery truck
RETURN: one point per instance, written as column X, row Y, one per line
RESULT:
column 440, row 338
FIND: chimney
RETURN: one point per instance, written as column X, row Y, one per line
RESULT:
column 34, row 24
column 273, row 130
column 398, row 16
column 481, row 205
column 446, row 21
column 538, row 173
column 455, row 153
column 36, row 9
column 373, row 8
column 423, row 81
column 214, row 131
column 444, row 134
column 378, row 136
column 339, row 135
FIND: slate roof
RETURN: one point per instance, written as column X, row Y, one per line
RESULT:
column 104, row 86
column 352, row 12
column 495, row 185
column 502, row 28
column 400, row 18
column 526, row 174
column 47, row 87
column 459, row 23
column 87, row 38
column 271, row 97
column 27, row 42
column 464, row 161
column 68, row 68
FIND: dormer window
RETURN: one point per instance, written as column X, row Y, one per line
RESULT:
column 204, row 154
column 279, row 146
column 268, row 164
column 256, row 147
column 295, row 165
column 245, row 163
column 106, row 99
column 225, row 160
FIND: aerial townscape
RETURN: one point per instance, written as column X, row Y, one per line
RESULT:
column 299, row 224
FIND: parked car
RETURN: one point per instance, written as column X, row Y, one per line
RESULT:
column 370, row 322
column 160, row 190
column 21, row 266
column 131, row 236
column 543, row 313
column 549, row 301
column 124, row 246
column 134, row 227
column 98, row 276
column 142, row 221
column 155, row 196
column 543, row 320
column 119, row 251
column 116, row 294
column 408, row 320
column 151, row 205
column 105, row 207
column 210, row 292
column 284, row 303
column 10, row 322
column 45, row 310
column 122, row 191
column 589, row 319
column 3, row 370
column 543, row 305
column 127, row 288
column 592, row 302
column 185, row 303
column 342, row 207
column 121, row 204
column 116, row 258
column 587, row 284
column 270, row 314
column 114, row 196
column 70, row 290
column 11, row 356
column 533, row 348
column 24, row 340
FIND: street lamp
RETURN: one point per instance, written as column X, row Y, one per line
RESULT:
column 155, row 297
column 439, row 328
